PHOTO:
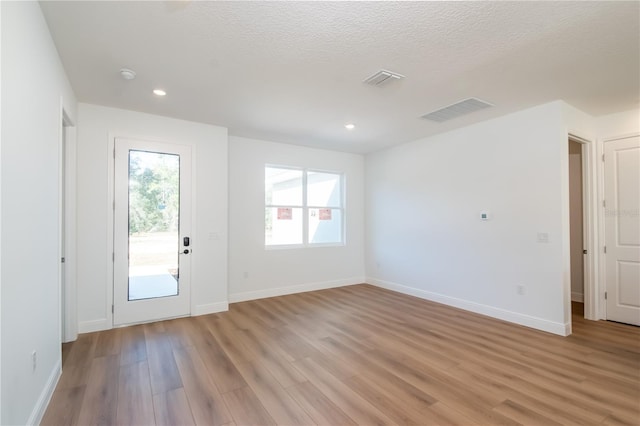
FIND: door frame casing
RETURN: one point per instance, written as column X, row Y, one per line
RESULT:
column 68, row 286
column 589, row 225
column 602, row 288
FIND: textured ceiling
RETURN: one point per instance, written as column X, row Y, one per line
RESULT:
column 292, row 71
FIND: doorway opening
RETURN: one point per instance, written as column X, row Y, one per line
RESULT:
column 581, row 289
column 152, row 226
column 576, row 215
column 66, row 229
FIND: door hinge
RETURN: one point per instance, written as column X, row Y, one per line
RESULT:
column 113, row 205
column 113, row 257
column 605, row 249
column 114, row 153
column 604, row 203
column 112, row 309
column 602, row 157
column 584, row 251
column 605, row 295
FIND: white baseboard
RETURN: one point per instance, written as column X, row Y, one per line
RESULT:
column 210, row 308
column 301, row 288
column 104, row 323
column 562, row 329
column 94, row 325
column 577, row 297
column 45, row 396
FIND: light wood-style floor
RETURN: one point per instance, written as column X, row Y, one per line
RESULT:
column 352, row 355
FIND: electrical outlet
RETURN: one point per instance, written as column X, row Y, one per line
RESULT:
column 34, row 360
column 520, row 290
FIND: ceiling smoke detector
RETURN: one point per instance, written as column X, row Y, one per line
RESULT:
column 127, row 74
column 382, row 77
column 464, row 107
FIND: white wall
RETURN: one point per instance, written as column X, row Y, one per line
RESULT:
column 282, row 271
column 424, row 235
column 618, row 125
column 34, row 90
column 97, row 128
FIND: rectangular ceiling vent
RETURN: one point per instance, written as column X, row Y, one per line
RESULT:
column 382, row 77
column 456, row 110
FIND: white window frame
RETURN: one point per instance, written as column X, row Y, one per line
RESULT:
column 305, row 210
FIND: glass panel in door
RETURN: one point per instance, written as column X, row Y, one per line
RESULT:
column 154, row 223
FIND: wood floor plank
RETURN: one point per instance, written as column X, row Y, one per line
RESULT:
column 320, row 408
column 476, row 406
column 207, row 405
column 133, row 345
column 64, row 408
column 66, row 348
column 171, row 408
column 176, row 330
column 246, row 408
column 352, row 404
column 265, row 315
column 162, row 366
column 523, row 414
column 220, row 368
column 135, row 404
column 282, row 408
column 271, row 357
column 100, row 403
column 108, row 342
column 382, row 397
column 441, row 414
column 77, row 366
column 187, row 332
column 243, row 317
column 224, row 333
column 293, row 346
column 519, row 390
column 349, row 355
column 617, row 420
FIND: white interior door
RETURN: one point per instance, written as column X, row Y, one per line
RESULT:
column 152, row 227
column 622, row 229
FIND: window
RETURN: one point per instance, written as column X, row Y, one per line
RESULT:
column 302, row 207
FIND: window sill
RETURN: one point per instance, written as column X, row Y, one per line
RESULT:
column 302, row 246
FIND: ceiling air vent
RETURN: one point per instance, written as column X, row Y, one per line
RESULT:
column 456, row 110
column 382, row 77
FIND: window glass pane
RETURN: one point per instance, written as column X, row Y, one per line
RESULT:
column 283, row 225
column 323, row 190
column 325, row 226
column 282, row 187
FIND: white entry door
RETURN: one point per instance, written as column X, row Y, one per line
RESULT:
column 622, row 229
column 152, row 227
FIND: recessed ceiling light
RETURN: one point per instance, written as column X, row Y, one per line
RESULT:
column 159, row 92
column 127, row 74
column 350, row 126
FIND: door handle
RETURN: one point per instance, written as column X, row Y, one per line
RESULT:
column 185, row 251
